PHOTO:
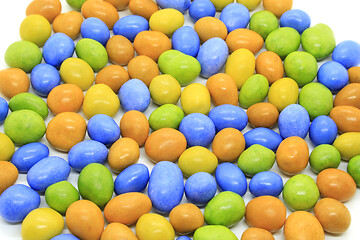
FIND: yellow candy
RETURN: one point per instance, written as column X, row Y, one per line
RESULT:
column 78, row 72
column 100, row 99
column 35, row 28
column 197, row 159
column 240, row 66
column 42, row 224
column 153, row 226
column 165, row 89
column 7, row 147
column 348, row 145
column 220, row 4
column 195, row 98
column 166, row 21
column 283, row 92
column 250, row 4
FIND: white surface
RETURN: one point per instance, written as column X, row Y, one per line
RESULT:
column 342, row 16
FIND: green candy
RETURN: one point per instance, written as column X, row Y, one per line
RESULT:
column 324, row 156
column 24, row 55
column 318, row 40
column 166, row 116
column 263, row 22
column 283, row 41
column 256, row 159
column 226, row 208
column 92, row 52
column 182, row 67
column 61, row 195
column 214, row 232
column 254, row 90
column 301, row 66
column 29, row 101
column 75, row 3
column 24, row 126
column 316, row 99
column 96, row 184
column 301, row 193
column 353, row 169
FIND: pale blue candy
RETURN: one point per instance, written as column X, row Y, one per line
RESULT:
column 212, row 56
column 234, row 16
column 333, row 75
column 65, row 237
column 28, row 155
column 95, row 29
column 103, row 128
column 132, row 179
column 134, row 95
column 294, row 120
column 228, row 116
column 229, row 177
column 183, row 238
column 130, row 26
column 186, row 40
column 297, row 19
column 58, row 48
column 347, row 53
column 201, row 8
column 180, row 5
column 4, row 109
column 200, row 188
column 44, row 77
column 264, row 137
column 166, row 186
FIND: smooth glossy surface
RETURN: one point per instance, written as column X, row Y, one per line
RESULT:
column 154, row 226
column 123, row 153
column 347, row 53
column 152, row 44
column 117, row 231
column 135, row 125
column 266, row 183
column 130, row 26
column 301, row 66
column 348, row 96
column 57, row 49
column 132, row 179
column 166, row 116
column 35, row 28
column 195, row 98
column 120, row 50
column 269, row 64
column 324, row 156
column 226, row 115
column 47, row 8
column 283, row 92
column 281, row 45
column 234, row 16
column 97, row 58
column 100, row 9
column 165, row 89
column 229, row 177
column 13, row 81
column 44, row 77
column 26, row 156
column 228, row 144
column 95, row 29
column 59, row 196
column 262, row 115
column 113, row 75
column 65, row 98
column 77, row 71
column 8, row 175
column 323, row 130
column 278, row 7
column 186, row 40
column 28, row 52
column 143, row 68
column 166, row 21
column 295, row 18
column 263, row 136
column 210, row 27
column 347, row 118
column 200, row 9
column 300, row 220
column 68, row 23
column 29, row 101
column 348, row 145
column 134, row 95
column 186, row 218
column 144, row 8
column 222, row 88
column 256, row 234
column 294, row 120
column 333, row 75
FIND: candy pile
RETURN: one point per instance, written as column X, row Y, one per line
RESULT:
column 177, row 135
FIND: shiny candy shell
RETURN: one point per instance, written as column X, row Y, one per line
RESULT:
column 123, row 153
column 200, row 188
column 300, row 220
column 228, row 144
column 347, row 118
column 348, row 96
column 144, row 68
column 47, row 8
column 269, row 64
column 135, row 125
column 104, row 129
column 283, row 92
column 226, row 115
column 101, row 9
column 77, row 71
column 26, row 156
column 348, row 145
column 244, row 38
column 65, row 98
column 154, row 226
column 117, row 231
column 7, row 147
column 113, row 75
column 210, row 27
column 13, row 81
column 8, row 175
column 186, row 218
column 120, row 50
column 68, row 23
column 256, row 234
column 166, row 21
column 222, row 89
column 130, row 26
column 151, row 44
column 229, row 177
column 144, row 8
column 132, row 179
column 262, row 115
column 134, row 95
column 165, row 89
column 195, row 98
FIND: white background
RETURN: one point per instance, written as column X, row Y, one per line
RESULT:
column 342, row 16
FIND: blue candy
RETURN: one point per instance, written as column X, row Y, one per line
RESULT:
column 130, row 26
column 4, row 109
column 297, row 19
column 183, row 238
column 166, row 186
column 294, row 120
column 228, row 116
column 132, row 179
column 323, row 130
column 234, row 16
column 198, row 129
column 86, row 152
column 65, row 237
column 333, row 75
column 44, row 77
column 28, row 155
column 212, row 56
column 104, row 129
column 201, row 8
column 200, row 188
column 229, row 177
column 266, row 183
column 48, row 171
column 180, row 5
column 95, row 29
column 17, row 201
column 134, row 95
column 186, row 40
column 347, row 53
column 264, row 137
column 58, row 48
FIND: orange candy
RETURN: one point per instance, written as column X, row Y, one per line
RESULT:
column 113, row 75
column 347, row 118
column 186, row 218
column 228, row 144
column 354, row 74
column 68, row 23
column 348, row 96
column 278, row 7
column 223, row 89
column 65, row 98
column 262, row 115
column 117, row 231
column 46, row 8
column 118, row 4
column 123, row 153
column 143, row 68
column 8, row 175
column 152, row 44
column 13, row 81
column 209, row 27
column 257, row 234
column 244, row 38
column 120, row 50
column 105, row 11
column 135, row 125
column 65, row 130
column 144, row 8
column 301, row 225
column 269, row 65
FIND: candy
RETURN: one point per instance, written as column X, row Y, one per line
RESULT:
column 297, row 19
column 4, row 109
column 300, row 220
column 35, row 28
column 68, row 23
column 95, row 29
column 13, row 81
column 348, row 96
column 30, row 102
column 200, row 9
column 96, row 184
column 300, row 193
column 144, row 8
column 354, row 74
column 333, row 75
column 97, row 58
column 186, row 218
column 59, row 196
column 130, row 26
column 119, row 4
column 234, row 16
column 244, row 38
column 100, row 9
column 44, row 77
column 180, row 5
column 294, row 120
column 200, row 188
column 195, row 98
column 230, row 178
column 254, row 90
column 324, row 156
column 165, row 89
column 266, row 183
column 353, row 169
column 323, row 130
column 186, row 40
column 228, row 144
column 166, row 20
column 301, row 67
column 103, row 129
column 220, row 4
column 154, row 226
column 134, row 95
column 65, row 98
column 263, row 22
column 346, row 53
column 113, row 75
column 251, row 5
column 117, row 231
column 210, row 27
column 120, row 50
column 283, row 41
column 348, row 145
column 135, row 125
column 269, row 65
column 57, row 49
column 213, row 232
column 8, row 175
column 132, row 179
column 346, row 118
column 123, row 153
column 143, row 68
column 27, row 52
column 77, row 71
column 256, row 233
column 24, row 126
column 65, row 237
column 264, row 137
column 222, row 89
column 226, row 208
column 166, row 116
column 127, row 208
column 278, row 7
column 283, row 93
column 28, row 155
column 47, row 8
column 151, row 44
column 262, row 115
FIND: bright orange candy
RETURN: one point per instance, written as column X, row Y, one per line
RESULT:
column 209, row 27
column 300, row 220
column 100, row 9
column 223, row 89
column 135, row 125
column 244, row 38
column 186, row 218
column 65, row 98
column 262, row 115
column 257, row 234
column 269, row 65
column 228, row 144
column 354, row 74
column 117, row 231
column 113, row 75
column 151, row 44
column 46, row 8
column 144, row 8
column 347, row 118
column 68, row 23
column 118, row 4
column 144, row 68
column 13, row 81
column 278, row 7
column 120, row 50
column 123, row 153
column 8, row 175
column 348, row 96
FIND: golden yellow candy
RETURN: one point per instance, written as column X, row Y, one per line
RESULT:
column 42, row 224
column 165, row 89
column 195, row 98
column 250, row 4
column 166, row 21
column 283, row 92
column 7, row 147
column 152, row 226
column 220, row 4
column 100, row 99
column 348, row 145
column 240, row 66
column 78, row 72
column 35, row 28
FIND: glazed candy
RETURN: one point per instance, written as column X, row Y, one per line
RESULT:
column 75, row 3
column 28, row 52
column 348, row 96
column 230, row 178
column 200, row 9
column 283, row 41
column 353, row 169
column 47, row 8
column 262, row 115
column 13, row 81
column 100, row 9
column 113, row 75
column 228, row 144
column 68, row 23
column 8, row 175
column 347, row 54
column 210, row 27
column 220, row 4
column 323, row 130
column 166, row 116
column 301, row 67
column 228, row 116
column 263, row 22
column 165, row 89
column 254, row 90
column 95, row 29
column 143, row 68
column 119, row 4
column 28, row 101
column 4, row 109
column 324, row 156
column 65, row 98
column 154, row 226
column 283, row 93
column 77, row 71
column 256, row 233
column 269, row 65
column 266, row 183
column 117, row 230
column 186, row 40
column 132, row 179
column 28, row 155
column 295, row 18
column 195, row 98
column 120, row 50
column 300, row 220
column 214, row 231
column 244, row 38
column 200, row 188
column 135, row 125
column 130, row 26
column 251, row 5
column 346, row 118
column 348, row 145
column 180, row 5
column 103, row 129
column 59, row 196
column 186, row 218
column 57, row 49
column 123, row 153
column 35, row 28
column 222, row 88
column 65, row 237
column 97, row 58
column 44, row 77
column 166, row 21
column 263, row 136
column 278, row 7
column 294, row 120
column 144, row 8
column 333, row 75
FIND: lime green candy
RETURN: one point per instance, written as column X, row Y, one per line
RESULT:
column 29, row 101
column 263, row 22
column 254, row 90
column 24, row 55
column 214, row 232
column 92, row 52
column 301, row 193
column 75, row 3
column 318, row 40
column 283, row 41
column 354, row 169
column 182, row 67
column 226, row 208
column 24, row 126
column 324, row 156
column 61, row 195
column 301, row 66
column 316, row 99
column 166, row 116
column 256, row 159
column 96, row 184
